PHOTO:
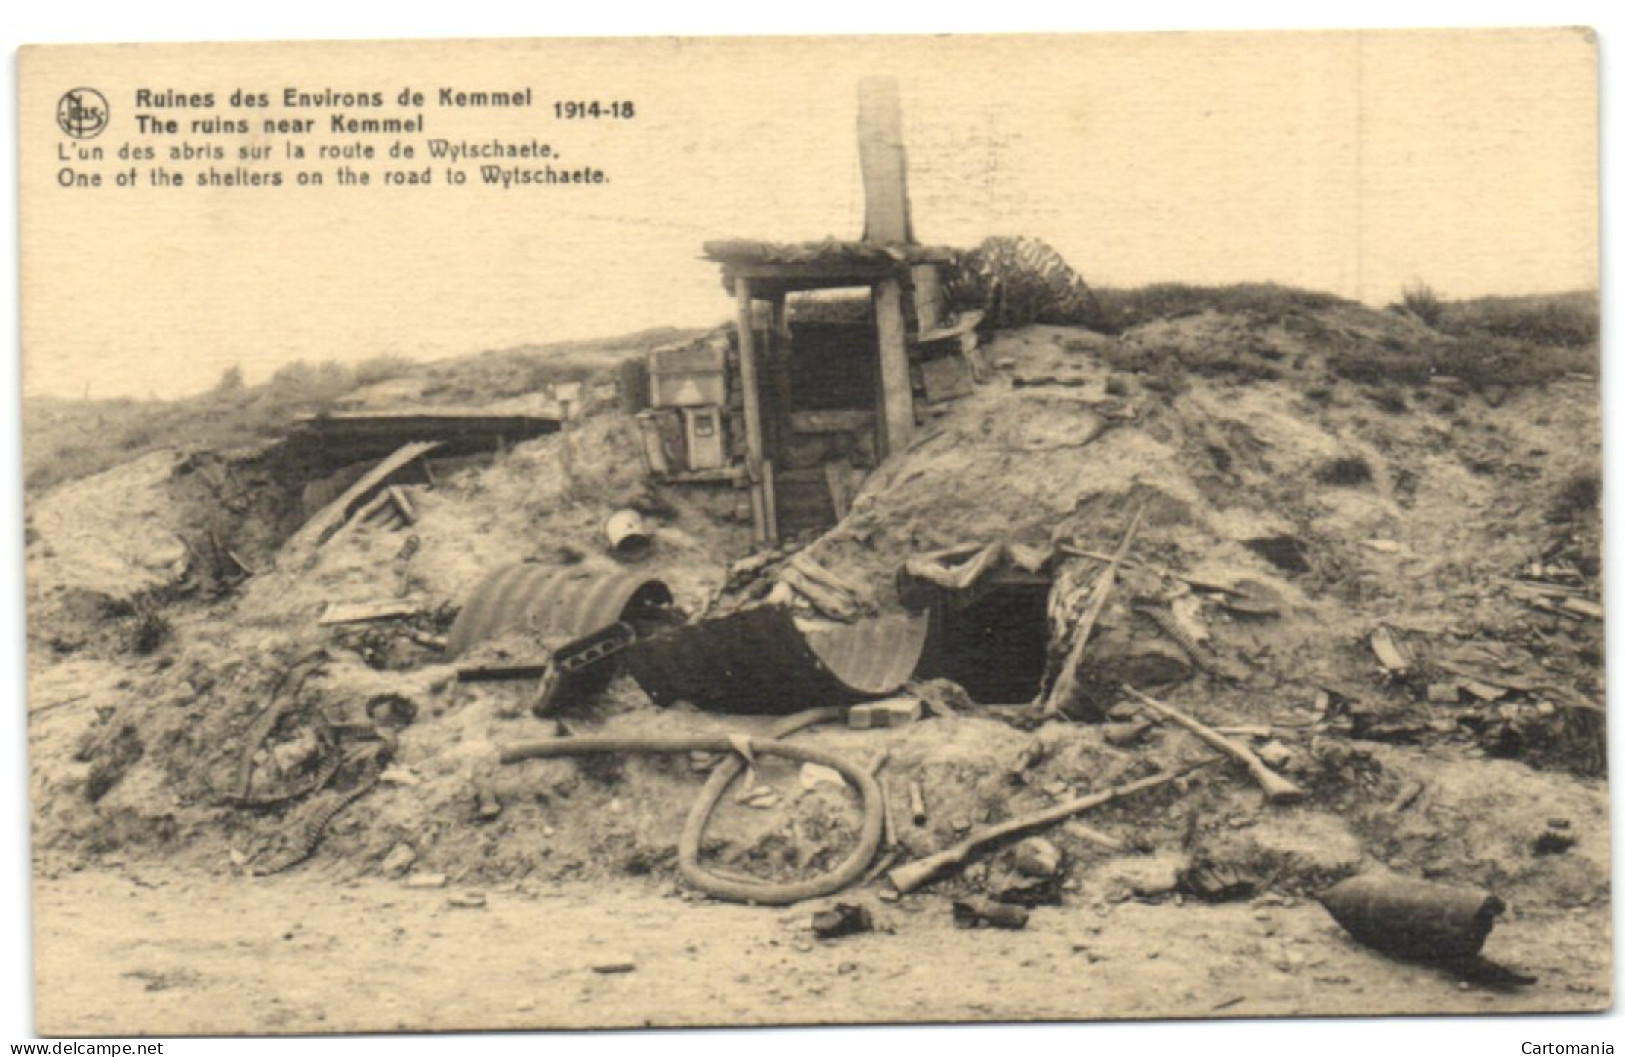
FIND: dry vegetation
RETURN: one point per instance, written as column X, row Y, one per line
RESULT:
column 65, row 440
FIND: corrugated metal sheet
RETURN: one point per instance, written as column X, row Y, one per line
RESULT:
column 550, row 603
column 872, row 657
column 760, row 661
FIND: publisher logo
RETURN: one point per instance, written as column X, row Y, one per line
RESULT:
column 82, row 113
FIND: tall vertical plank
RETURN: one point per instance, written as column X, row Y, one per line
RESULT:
column 896, row 388
column 748, row 387
column 884, row 164
column 778, row 397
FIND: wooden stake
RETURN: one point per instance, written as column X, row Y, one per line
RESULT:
column 884, row 163
column 1278, row 789
column 1065, row 687
column 748, row 387
column 907, row 878
column 896, row 385
column 916, row 803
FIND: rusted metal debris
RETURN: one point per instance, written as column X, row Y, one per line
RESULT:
column 843, row 919
column 552, row 604
column 762, row 660
column 1413, row 919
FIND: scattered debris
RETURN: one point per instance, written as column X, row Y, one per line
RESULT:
column 615, row 967
column 843, row 919
column 1556, row 838
column 813, row 775
column 467, row 901
column 1276, row 756
column 892, row 712
column 916, row 803
column 740, row 749
column 355, row 499
column 1390, row 654
column 1279, row 790
column 1065, row 691
column 1036, row 857
column 1093, row 836
column 1217, row 882
column 363, row 612
column 978, row 913
column 1446, row 693
column 399, row 860
column 913, row 875
column 626, row 536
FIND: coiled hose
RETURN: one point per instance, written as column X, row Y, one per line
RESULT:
column 766, row 893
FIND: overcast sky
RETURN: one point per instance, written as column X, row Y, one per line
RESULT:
column 1351, row 163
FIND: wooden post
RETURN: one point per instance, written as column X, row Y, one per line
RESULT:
column 884, row 164
column 896, row 387
column 748, row 383
column 930, row 303
column 886, row 220
column 777, row 434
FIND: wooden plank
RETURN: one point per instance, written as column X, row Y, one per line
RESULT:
column 1066, row 686
column 722, row 475
column 964, row 323
column 780, row 397
column 896, row 389
column 780, row 276
column 930, row 303
column 749, row 389
column 837, row 420
column 361, row 612
column 328, row 520
column 770, row 503
column 403, row 503
column 839, row 493
column 884, row 163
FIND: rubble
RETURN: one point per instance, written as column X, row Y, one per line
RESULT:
column 843, row 919
column 1201, row 549
column 977, row 913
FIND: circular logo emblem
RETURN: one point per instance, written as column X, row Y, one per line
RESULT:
column 82, row 112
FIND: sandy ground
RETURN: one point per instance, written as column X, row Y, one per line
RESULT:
column 143, row 950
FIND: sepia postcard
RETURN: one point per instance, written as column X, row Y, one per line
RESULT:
column 760, row 531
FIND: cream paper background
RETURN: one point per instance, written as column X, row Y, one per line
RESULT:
column 1346, row 162
column 105, row 340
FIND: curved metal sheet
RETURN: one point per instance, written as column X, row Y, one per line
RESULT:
column 550, row 603
column 872, row 657
column 759, row 661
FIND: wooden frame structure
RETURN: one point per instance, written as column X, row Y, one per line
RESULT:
column 887, row 261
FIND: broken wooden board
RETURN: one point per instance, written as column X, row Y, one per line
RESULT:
column 964, row 323
column 1390, row 654
column 327, row 521
column 946, row 378
column 1584, row 606
column 404, row 504
column 362, row 612
column 828, row 593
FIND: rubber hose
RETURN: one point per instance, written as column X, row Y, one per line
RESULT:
column 766, row 893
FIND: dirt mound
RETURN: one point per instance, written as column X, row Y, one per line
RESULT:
column 1280, row 473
